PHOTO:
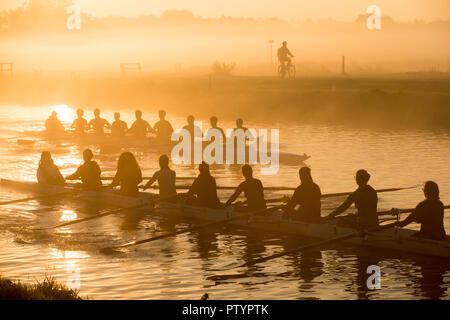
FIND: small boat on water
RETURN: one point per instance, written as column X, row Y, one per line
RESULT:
column 110, row 145
column 392, row 239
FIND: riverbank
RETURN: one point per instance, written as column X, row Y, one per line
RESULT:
column 48, row 289
column 409, row 101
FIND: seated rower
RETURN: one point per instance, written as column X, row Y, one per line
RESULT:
column 365, row 199
column 163, row 129
column 194, row 130
column 80, row 124
column 98, row 124
column 307, row 197
column 213, row 120
column 140, row 127
column 119, row 127
column 253, row 190
column 429, row 213
column 53, row 125
column 128, row 175
column 203, row 192
column 166, row 178
column 89, row 172
column 48, row 172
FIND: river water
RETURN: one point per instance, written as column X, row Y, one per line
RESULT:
column 189, row 265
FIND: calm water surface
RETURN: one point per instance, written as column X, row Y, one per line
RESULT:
column 187, row 266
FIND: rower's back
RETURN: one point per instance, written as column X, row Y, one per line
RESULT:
column 366, row 201
column 204, row 186
column 430, row 214
column 254, row 192
column 166, row 181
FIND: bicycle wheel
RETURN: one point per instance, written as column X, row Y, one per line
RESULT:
column 292, row 72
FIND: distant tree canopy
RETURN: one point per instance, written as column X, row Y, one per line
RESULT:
column 222, row 69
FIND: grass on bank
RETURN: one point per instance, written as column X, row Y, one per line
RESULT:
column 48, row 289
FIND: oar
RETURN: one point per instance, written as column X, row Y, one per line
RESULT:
column 329, row 195
column 107, row 213
column 148, row 178
column 309, row 246
column 202, row 226
column 38, row 197
column 394, row 212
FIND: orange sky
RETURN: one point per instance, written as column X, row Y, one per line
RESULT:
column 345, row 10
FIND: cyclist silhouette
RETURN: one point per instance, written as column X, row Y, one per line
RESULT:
column 284, row 56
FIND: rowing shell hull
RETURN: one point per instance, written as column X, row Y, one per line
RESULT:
column 395, row 238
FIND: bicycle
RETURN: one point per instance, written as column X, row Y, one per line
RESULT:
column 288, row 71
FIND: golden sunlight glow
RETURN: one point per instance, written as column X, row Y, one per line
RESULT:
column 65, row 113
column 68, row 215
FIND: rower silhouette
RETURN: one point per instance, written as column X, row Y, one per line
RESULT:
column 53, row 125
column 98, row 124
column 253, row 190
column 203, row 191
column 80, row 124
column 429, row 213
column 365, row 199
column 119, row 127
column 213, row 120
column 48, row 172
column 163, row 129
column 166, row 178
column 307, row 197
column 140, row 127
column 89, row 172
column 128, row 175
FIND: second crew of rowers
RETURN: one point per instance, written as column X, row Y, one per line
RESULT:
column 89, row 172
column 429, row 213
column 166, row 178
column 307, row 197
column 253, row 190
column 48, row 172
column 163, row 129
column 128, row 175
column 365, row 199
column 213, row 120
column 203, row 192
column 98, row 124
column 80, row 124
column 140, row 127
column 119, row 127
column 53, row 125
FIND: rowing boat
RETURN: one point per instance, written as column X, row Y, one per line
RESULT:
column 395, row 238
column 109, row 144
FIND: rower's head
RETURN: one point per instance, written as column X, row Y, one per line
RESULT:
column 127, row 161
column 138, row 114
column 305, row 174
column 46, row 157
column 80, row 113
column 87, row 155
column 54, row 114
column 204, row 168
column 284, row 43
column 239, row 123
column 163, row 161
column 247, row 171
column 190, row 120
column 431, row 190
column 117, row 116
column 213, row 120
column 362, row 177
column 162, row 114
column 97, row 113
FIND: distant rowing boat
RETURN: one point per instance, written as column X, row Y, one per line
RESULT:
column 109, row 144
column 396, row 239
